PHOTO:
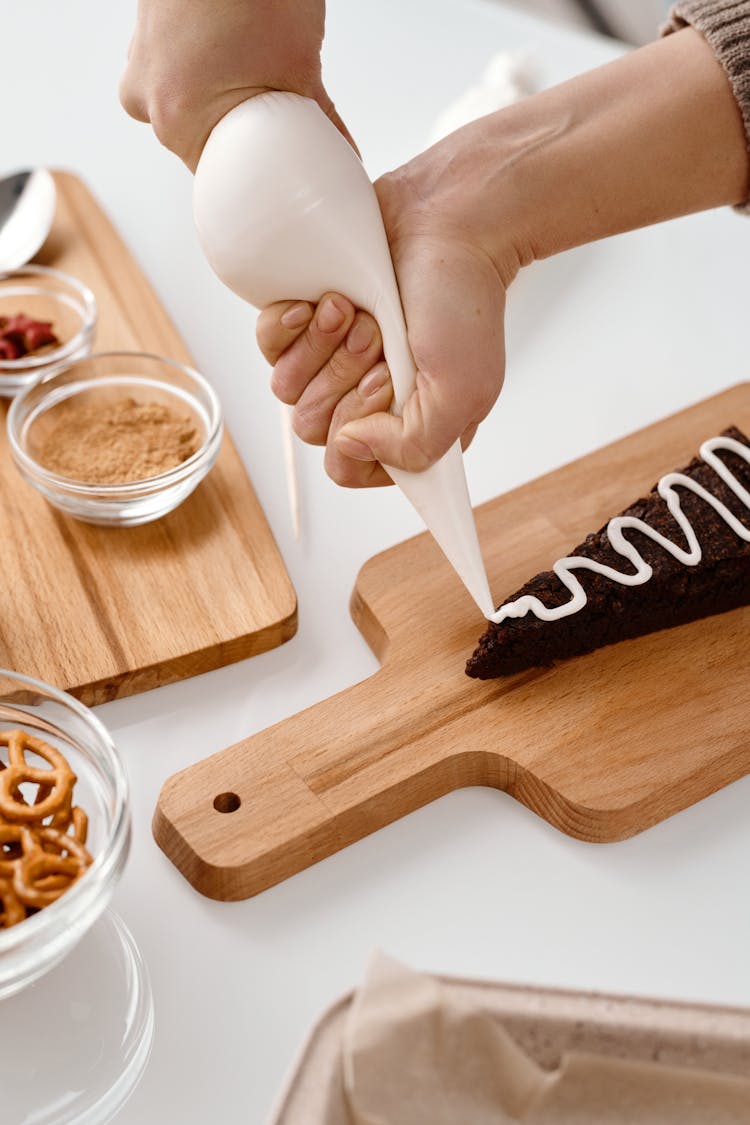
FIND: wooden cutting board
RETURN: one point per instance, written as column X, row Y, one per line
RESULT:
column 107, row 612
column 602, row 746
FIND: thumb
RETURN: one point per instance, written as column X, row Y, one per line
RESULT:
column 454, row 302
column 407, row 441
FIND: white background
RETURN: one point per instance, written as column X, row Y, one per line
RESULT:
column 601, row 341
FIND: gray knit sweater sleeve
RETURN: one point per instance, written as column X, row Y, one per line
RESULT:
column 725, row 25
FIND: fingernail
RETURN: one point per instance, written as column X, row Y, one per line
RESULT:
column 297, row 315
column 330, row 316
column 373, row 381
column 360, row 336
column 350, row 447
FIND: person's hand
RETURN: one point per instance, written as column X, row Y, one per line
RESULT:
column 328, row 360
column 648, row 137
column 328, row 363
column 191, row 62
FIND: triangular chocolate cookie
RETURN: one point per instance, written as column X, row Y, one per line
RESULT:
column 680, row 553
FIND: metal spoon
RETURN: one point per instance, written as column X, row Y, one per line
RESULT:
column 27, row 208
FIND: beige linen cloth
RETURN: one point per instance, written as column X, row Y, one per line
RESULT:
column 416, row 1054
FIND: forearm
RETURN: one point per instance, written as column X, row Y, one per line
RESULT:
column 651, row 136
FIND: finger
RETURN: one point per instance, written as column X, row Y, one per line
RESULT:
column 413, row 442
column 454, row 303
column 279, row 326
column 468, row 435
column 312, row 350
column 131, row 94
column 373, row 393
column 347, row 366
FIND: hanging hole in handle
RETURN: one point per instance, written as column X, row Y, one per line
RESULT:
column 227, row 802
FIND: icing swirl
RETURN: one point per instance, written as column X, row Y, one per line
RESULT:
column 688, row 556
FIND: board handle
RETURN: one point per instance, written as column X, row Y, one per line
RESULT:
column 277, row 802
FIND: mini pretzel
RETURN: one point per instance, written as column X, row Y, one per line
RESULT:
column 16, row 841
column 11, row 910
column 76, row 819
column 42, row 842
column 62, row 818
column 55, row 784
column 80, row 822
column 59, row 843
column 32, row 874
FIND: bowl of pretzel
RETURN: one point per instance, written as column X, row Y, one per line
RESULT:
column 64, row 826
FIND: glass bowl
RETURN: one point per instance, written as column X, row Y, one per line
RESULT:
column 77, row 1042
column 32, row 947
column 48, row 295
column 98, row 381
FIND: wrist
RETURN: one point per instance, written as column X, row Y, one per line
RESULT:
column 454, row 193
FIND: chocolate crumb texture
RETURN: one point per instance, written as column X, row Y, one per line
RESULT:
column 674, row 595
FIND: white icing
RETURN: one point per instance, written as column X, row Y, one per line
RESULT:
column 688, row 556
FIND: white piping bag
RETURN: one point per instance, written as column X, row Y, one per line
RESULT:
column 285, row 209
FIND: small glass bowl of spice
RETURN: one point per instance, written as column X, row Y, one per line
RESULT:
column 47, row 319
column 117, row 438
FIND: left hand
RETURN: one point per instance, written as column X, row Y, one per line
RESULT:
column 328, row 360
column 328, row 363
column 191, row 61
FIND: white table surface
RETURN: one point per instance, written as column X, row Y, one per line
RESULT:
column 601, row 341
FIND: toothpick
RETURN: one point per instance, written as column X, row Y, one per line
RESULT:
column 290, row 464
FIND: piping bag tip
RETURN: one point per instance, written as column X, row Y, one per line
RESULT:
column 441, row 497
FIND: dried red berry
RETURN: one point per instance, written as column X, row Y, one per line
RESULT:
column 21, row 335
column 8, row 349
column 38, row 335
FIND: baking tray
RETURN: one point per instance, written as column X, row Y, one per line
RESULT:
column 546, row 1023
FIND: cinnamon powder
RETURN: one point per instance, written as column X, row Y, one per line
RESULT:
column 115, row 442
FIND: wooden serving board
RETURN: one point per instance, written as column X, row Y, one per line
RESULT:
column 107, row 612
column 602, row 746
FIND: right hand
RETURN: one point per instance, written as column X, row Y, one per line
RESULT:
column 453, row 294
column 190, row 62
